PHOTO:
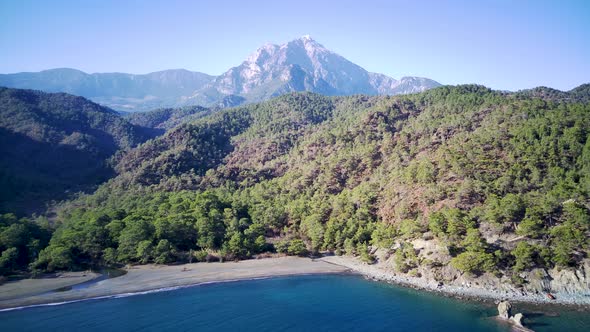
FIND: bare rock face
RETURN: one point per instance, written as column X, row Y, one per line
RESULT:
column 567, row 282
column 504, row 308
column 570, row 281
column 305, row 65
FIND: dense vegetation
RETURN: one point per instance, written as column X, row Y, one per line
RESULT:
column 54, row 144
column 500, row 180
column 166, row 118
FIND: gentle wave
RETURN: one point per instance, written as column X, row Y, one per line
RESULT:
column 122, row 295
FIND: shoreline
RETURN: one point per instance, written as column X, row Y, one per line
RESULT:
column 50, row 282
column 158, row 290
column 145, row 279
column 382, row 274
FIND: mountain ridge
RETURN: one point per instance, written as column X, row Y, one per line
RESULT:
column 299, row 65
column 304, row 64
column 56, row 144
column 459, row 184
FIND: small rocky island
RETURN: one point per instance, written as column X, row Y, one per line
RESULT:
column 504, row 313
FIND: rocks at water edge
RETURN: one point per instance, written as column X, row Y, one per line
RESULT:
column 504, row 312
column 517, row 319
column 504, row 308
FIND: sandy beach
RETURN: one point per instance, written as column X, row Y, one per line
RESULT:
column 152, row 277
column 29, row 287
column 144, row 278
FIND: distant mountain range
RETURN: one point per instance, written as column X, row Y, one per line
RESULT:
column 300, row 65
column 119, row 91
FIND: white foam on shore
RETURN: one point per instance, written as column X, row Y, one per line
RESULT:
column 157, row 290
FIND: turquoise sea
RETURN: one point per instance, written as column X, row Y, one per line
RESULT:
column 301, row 303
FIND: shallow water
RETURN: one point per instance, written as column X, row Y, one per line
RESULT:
column 105, row 274
column 302, row 303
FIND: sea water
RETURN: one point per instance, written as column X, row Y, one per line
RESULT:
column 298, row 303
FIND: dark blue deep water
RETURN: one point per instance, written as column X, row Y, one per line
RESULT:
column 304, row 303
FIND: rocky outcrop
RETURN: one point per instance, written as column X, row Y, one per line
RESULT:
column 504, row 313
column 504, row 309
column 444, row 279
column 561, row 282
column 559, row 285
column 517, row 319
column 570, row 281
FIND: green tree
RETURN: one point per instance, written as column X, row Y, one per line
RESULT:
column 53, row 258
column 524, row 256
column 405, row 257
column 314, row 230
column 384, row 235
column 137, row 230
column 365, row 254
column 474, row 242
column 437, row 224
column 571, row 235
column 211, row 230
column 297, row 248
column 282, row 246
column 235, row 246
column 164, row 252
column 474, row 262
column 8, row 260
column 109, row 256
column 145, row 251
column 530, row 226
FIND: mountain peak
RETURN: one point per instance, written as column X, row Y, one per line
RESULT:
column 262, row 52
column 307, row 41
column 301, row 64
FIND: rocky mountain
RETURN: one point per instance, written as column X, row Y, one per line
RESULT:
column 300, row 65
column 303, row 65
column 55, row 144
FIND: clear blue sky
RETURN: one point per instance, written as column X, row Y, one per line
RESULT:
column 503, row 44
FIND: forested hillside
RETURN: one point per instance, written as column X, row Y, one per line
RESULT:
column 166, row 118
column 495, row 182
column 55, row 144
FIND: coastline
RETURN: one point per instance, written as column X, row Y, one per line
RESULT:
column 144, row 279
column 50, row 282
column 380, row 272
column 152, row 278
